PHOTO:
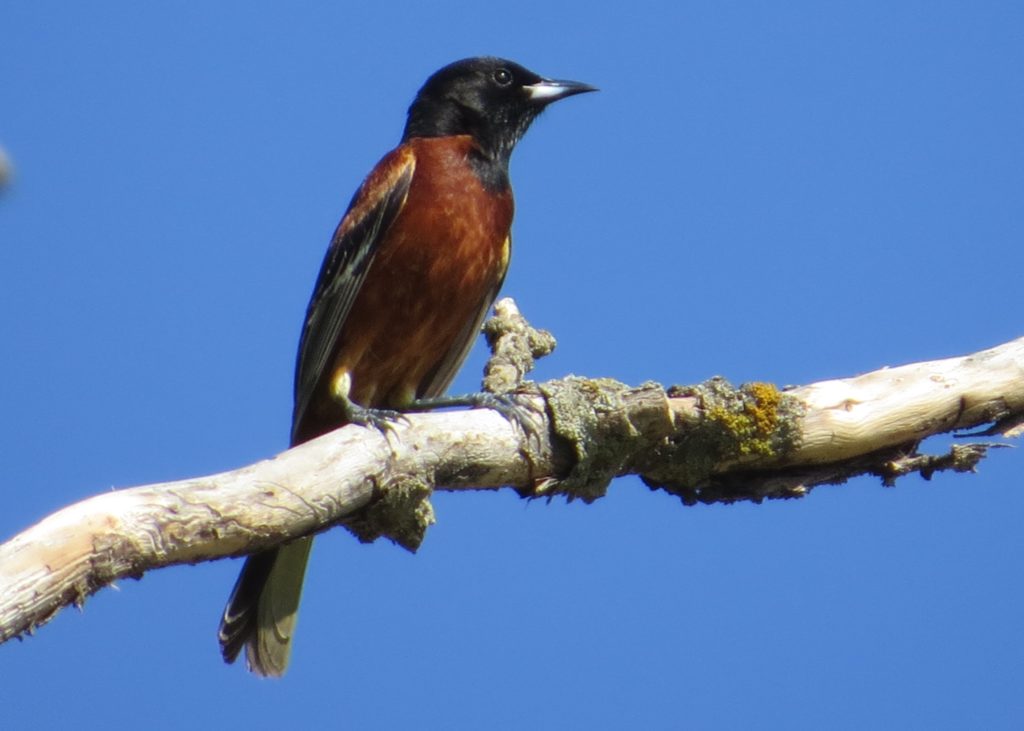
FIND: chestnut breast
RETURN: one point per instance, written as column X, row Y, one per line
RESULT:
column 439, row 265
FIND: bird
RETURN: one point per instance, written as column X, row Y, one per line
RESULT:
column 412, row 269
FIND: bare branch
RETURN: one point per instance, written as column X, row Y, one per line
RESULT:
column 706, row 443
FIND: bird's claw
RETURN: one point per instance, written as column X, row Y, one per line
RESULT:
column 517, row 410
column 383, row 420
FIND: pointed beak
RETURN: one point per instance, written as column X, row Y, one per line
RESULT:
column 546, row 91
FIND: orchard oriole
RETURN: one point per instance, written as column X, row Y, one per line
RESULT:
column 410, row 273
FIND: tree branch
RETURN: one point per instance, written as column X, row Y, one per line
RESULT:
column 706, row 443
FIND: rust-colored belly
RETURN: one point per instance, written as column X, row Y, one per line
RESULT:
column 441, row 262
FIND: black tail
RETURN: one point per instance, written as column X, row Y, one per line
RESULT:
column 238, row 625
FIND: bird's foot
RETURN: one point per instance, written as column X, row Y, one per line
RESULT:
column 383, row 420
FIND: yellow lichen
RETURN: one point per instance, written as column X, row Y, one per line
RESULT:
column 750, row 415
column 765, row 407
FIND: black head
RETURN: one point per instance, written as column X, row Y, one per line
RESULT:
column 492, row 99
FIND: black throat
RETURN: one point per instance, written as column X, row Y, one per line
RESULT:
column 494, row 143
column 493, row 173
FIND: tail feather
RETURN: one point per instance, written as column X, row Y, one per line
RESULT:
column 260, row 614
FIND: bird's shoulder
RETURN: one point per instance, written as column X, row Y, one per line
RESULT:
column 389, row 176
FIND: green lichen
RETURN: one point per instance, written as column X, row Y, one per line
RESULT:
column 588, row 418
column 752, row 420
column 748, row 414
column 749, row 424
column 402, row 512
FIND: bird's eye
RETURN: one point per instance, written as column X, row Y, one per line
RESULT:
column 502, row 77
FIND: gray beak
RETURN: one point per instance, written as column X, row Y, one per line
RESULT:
column 546, row 91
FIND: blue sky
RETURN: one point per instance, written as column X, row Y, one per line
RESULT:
column 782, row 192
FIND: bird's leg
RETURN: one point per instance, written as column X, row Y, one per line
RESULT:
column 519, row 412
column 383, row 420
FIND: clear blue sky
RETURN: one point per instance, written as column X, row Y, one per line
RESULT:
column 783, row 192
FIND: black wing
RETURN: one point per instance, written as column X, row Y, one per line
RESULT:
column 370, row 214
